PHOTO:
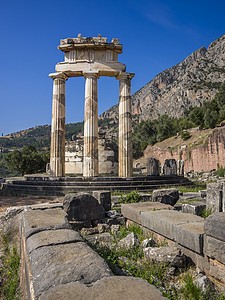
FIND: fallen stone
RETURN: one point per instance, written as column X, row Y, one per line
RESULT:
column 203, row 193
column 103, row 228
column 130, row 241
column 170, row 255
column 204, row 283
column 104, row 198
column 115, row 229
column 148, row 243
column 110, row 288
column 61, row 264
column 195, row 208
column 215, row 249
column 52, row 237
column 102, row 239
column 113, row 214
column 214, row 226
column 88, row 231
column 82, row 207
column 167, row 196
column 49, row 219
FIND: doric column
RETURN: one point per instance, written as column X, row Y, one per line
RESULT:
column 90, row 160
column 57, row 157
column 125, row 125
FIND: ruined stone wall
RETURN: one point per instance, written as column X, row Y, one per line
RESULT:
column 107, row 155
column 203, row 157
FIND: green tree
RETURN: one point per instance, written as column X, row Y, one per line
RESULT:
column 210, row 118
column 197, row 116
column 27, row 161
column 220, row 96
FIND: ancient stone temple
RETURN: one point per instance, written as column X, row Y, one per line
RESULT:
column 90, row 57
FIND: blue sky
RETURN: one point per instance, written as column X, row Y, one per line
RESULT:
column 155, row 34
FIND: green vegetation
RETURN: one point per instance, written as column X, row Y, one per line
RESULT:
column 27, row 161
column 132, row 197
column 206, row 212
column 185, row 135
column 220, row 171
column 9, row 272
column 208, row 115
column 131, row 262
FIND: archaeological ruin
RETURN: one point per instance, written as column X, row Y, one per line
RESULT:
column 90, row 57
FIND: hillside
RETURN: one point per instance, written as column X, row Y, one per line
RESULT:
column 204, row 150
column 190, row 82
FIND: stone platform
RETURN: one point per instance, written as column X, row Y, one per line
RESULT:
column 45, row 185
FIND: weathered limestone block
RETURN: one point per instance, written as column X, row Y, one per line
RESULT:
column 74, row 157
column 217, row 270
column 170, row 167
column 180, row 167
column 167, row 196
column 82, row 207
column 111, row 288
column 191, row 235
column 204, row 283
column 214, row 196
column 104, row 198
column 132, row 211
column 165, row 222
column 35, row 221
column 129, row 242
column 107, row 157
column 214, row 226
column 169, row 255
column 52, row 237
column 215, row 249
column 195, row 207
column 153, row 166
column 61, row 264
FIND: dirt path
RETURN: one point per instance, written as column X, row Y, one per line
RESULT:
column 7, row 201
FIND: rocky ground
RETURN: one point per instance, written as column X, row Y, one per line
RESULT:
column 130, row 251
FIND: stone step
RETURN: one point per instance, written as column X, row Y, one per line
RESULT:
column 62, row 190
column 91, row 183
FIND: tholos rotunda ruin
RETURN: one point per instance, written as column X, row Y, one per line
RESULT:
column 90, row 57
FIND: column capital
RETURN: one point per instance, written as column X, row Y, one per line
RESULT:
column 59, row 75
column 91, row 74
column 125, row 75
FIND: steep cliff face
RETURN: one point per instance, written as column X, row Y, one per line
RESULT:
column 190, row 82
column 203, row 151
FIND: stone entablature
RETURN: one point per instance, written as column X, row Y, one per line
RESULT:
column 90, row 54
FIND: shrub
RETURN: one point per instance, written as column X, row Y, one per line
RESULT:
column 185, row 135
column 220, row 171
column 132, row 197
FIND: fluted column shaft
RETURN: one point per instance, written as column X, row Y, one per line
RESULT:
column 90, row 160
column 57, row 157
column 125, row 126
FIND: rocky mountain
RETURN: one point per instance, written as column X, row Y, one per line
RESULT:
column 190, row 82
